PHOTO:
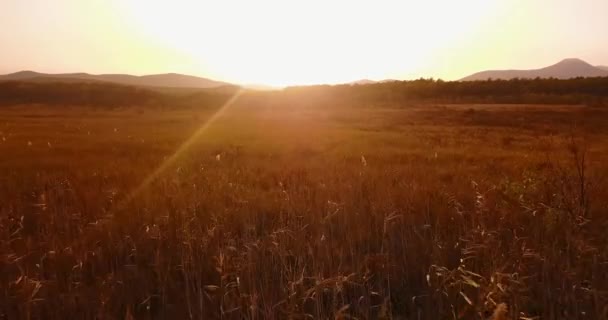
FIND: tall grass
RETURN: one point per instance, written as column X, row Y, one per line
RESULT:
column 302, row 229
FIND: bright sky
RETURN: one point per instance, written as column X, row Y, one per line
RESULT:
column 284, row 42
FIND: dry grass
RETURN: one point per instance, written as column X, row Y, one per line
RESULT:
column 437, row 212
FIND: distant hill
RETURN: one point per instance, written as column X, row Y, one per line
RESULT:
column 363, row 81
column 565, row 69
column 602, row 67
column 368, row 81
column 172, row 80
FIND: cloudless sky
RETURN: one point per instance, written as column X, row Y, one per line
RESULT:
column 283, row 42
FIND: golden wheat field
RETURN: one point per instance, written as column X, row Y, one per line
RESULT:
column 423, row 212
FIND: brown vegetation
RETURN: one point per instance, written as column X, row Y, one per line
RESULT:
column 275, row 212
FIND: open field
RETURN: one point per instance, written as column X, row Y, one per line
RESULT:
column 426, row 212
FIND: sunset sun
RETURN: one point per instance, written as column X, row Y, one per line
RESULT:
column 307, row 42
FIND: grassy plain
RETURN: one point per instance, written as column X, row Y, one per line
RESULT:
column 424, row 212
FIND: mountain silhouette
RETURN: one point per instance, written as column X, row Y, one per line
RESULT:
column 363, row 81
column 368, row 81
column 602, row 67
column 565, row 69
column 173, row 80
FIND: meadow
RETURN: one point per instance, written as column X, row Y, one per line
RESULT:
column 273, row 211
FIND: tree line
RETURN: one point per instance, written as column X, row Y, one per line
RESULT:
column 588, row 91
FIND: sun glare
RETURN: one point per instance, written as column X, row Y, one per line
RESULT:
column 304, row 42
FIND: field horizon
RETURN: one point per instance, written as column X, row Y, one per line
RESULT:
column 565, row 69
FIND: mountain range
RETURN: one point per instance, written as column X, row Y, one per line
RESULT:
column 565, row 69
column 172, row 80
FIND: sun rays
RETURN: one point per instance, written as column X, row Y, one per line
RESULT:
column 182, row 148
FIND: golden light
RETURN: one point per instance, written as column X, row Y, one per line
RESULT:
column 281, row 42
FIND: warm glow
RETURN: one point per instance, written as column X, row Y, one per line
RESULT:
column 282, row 42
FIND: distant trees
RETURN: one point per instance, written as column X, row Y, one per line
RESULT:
column 592, row 91
column 589, row 91
column 67, row 93
column 104, row 95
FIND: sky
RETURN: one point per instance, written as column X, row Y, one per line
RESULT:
column 295, row 42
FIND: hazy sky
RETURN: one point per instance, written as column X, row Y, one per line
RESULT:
column 282, row 42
